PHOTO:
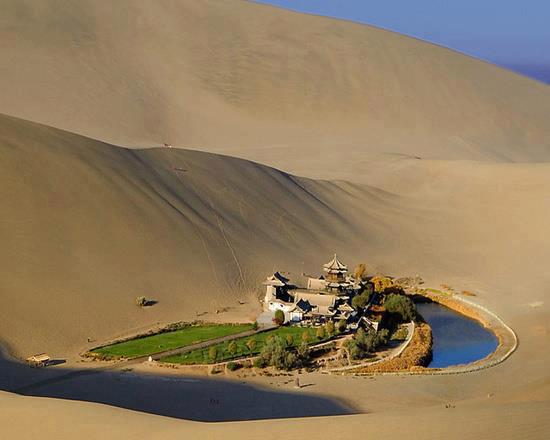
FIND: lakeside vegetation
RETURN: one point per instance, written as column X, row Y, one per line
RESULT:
column 167, row 340
column 292, row 337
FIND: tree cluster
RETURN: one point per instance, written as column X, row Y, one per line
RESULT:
column 277, row 353
column 400, row 305
column 364, row 343
column 360, row 301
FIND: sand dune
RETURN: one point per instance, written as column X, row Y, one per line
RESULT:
column 426, row 162
column 89, row 227
column 259, row 82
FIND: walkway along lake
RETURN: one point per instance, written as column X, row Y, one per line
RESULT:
column 457, row 339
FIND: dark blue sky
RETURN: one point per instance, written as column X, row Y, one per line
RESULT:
column 511, row 33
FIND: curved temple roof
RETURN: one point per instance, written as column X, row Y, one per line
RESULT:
column 335, row 265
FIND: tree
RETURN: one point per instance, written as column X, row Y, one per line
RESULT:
column 400, row 305
column 329, row 328
column 279, row 318
column 360, row 301
column 251, row 345
column 360, row 272
column 320, row 333
column 364, row 343
column 342, row 325
column 277, row 354
column 232, row 348
column 213, row 353
column 381, row 283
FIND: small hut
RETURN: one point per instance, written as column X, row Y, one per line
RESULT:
column 38, row 360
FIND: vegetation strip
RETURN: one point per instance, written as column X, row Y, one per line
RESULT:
column 168, row 340
column 247, row 346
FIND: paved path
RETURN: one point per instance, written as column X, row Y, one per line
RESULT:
column 128, row 362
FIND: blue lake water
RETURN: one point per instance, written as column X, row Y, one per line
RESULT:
column 457, row 339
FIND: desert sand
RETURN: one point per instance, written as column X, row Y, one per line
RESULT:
column 334, row 137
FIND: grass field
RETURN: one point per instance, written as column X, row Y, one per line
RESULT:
column 201, row 356
column 166, row 341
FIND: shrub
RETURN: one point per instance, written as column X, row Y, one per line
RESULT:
column 279, row 318
column 320, row 333
column 213, row 353
column 232, row 348
column 342, row 325
column 251, row 344
column 381, row 283
column 233, row 366
column 360, row 301
column 289, row 340
column 360, row 272
column 260, row 362
column 277, row 354
column 400, row 334
column 305, row 336
column 329, row 328
column 364, row 343
column 142, row 301
column 401, row 306
column 303, row 352
column 255, row 325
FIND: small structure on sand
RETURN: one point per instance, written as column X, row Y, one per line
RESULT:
column 38, row 360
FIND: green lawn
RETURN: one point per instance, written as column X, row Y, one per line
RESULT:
column 169, row 340
column 200, row 356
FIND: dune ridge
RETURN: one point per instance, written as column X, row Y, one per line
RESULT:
column 413, row 159
column 261, row 83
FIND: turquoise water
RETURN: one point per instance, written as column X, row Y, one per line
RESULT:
column 457, row 339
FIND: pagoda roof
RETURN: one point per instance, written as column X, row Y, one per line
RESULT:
column 335, row 265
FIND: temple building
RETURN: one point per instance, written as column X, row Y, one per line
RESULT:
column 336, row 272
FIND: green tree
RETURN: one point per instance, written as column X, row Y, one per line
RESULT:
column 329, row 328
column 277, row 354
column 364, row 343
column 279, row 318
column 213, row 353
column 232, row 348
column 360, row 301
column 251, row 345
column 320, row 333
column 342, row 325
column 401, row 306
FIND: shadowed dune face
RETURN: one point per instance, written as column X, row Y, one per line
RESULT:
column 262, row 83
column 196, row 398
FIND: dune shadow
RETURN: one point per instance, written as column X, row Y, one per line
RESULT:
column 185, row 397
